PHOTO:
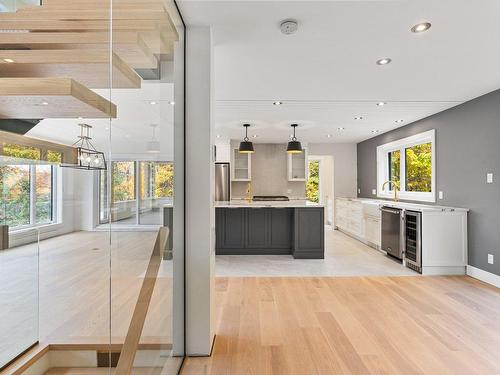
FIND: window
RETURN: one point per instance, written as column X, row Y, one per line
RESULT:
column 155, row 190
column 312, row 183
column 27, row 193
column 408, row 164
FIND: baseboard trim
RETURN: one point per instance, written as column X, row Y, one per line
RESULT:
column 485, row 276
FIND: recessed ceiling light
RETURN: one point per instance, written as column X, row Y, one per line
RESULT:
column 340, row 128
column 218, row 135
column 171, row 102
column 358, row 118
column 8, row 60
column 380, row 104
column 277, row 103
column 421, row 27
column 328, row 136
column 384, row 61
column 375, row 131
column 152, row 102
column 399, row 121
column 45, row 103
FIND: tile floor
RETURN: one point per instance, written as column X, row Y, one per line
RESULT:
column 344, row 256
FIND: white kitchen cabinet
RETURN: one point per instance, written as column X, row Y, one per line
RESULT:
column 223, row 152
column 443, row 231
column 241, row 166
column 373, row 223
column 372, row 230
column 349, row 217
column 297, row 166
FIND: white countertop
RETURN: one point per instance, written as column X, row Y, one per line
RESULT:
column 239, row 203
column 405, row 205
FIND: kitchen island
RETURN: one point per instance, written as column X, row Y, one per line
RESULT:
column 293, row 227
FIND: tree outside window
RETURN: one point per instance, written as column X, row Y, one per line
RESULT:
column 312, row 183
column 419, row 168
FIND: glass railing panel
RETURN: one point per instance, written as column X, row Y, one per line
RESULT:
column 145, row 186
column 19, row 256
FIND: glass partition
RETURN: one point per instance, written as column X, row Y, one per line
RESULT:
column 91, row 249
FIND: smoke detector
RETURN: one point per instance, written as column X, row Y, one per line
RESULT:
column 289, row 27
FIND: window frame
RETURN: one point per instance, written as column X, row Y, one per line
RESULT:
column 401, row 145
column 55, row 191
column 137, row 184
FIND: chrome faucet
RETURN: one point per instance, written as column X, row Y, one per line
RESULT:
column 395, row 187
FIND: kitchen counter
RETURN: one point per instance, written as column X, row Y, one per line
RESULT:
column 272, row 227
column 240, row 203
column 405, row 205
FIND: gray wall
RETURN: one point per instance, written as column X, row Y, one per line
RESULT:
column 467, row 147
column 269, row 173
column 344, row 170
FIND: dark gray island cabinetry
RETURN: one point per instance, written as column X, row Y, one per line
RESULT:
column 258, row 230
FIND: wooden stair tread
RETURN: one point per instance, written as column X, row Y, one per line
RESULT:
column 129, row 45
column 22, row 98
column 89, row 67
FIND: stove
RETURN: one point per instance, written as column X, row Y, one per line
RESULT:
column 259, row 198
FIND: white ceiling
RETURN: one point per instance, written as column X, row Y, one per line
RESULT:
column 326, row 75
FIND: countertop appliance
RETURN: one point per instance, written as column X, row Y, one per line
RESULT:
column 413, row 240
column 259, row 198
column 222, row 182
column 392, row 231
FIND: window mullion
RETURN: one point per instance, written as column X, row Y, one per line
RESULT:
column 32, row 204
column 402, row 169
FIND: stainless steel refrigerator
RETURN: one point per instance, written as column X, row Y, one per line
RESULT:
column 222, row 182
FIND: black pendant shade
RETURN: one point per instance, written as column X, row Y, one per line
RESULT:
column 246, row 147
column 294, row 146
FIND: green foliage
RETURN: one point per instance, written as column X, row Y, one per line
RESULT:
column 419, row 168
column 395, row 167
column 312, row 183
column 20, row 151
column 164, row 180
column 54, row 157
column 43, row 185
column 123, row 181
column 15, row 194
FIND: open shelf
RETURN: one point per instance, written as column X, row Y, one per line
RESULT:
column 30, row 98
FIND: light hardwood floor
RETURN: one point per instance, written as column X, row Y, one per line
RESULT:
column 354, row 325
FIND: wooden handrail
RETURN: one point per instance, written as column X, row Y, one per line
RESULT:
column 127, row 356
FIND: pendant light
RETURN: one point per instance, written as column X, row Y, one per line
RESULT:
column 87, row 156
column 246, row 147
column 294, row 146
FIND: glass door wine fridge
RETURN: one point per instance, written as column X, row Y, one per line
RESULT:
column 413, row 240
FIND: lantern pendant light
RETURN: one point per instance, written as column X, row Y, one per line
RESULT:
column 294, row 146
column 246, row 147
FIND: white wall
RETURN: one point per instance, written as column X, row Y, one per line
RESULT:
column 345, row 165
column 200, row 212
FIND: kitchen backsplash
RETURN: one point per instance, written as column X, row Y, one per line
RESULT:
column 269, row 173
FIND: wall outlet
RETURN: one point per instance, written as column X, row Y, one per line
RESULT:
column 491, row 259
column 374, row 191
column 359, row 191
column 489, row 178
column 289, row 191
column 441, row 195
